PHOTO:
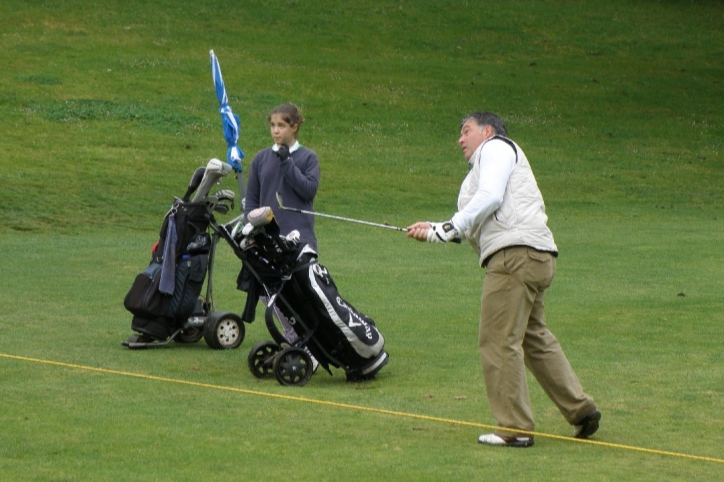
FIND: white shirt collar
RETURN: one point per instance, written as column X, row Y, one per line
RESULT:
column 291, row 149
column 476, row 153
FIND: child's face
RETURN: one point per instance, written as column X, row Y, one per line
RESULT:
column 281, row 131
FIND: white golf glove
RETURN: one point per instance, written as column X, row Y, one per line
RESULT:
column 442, row 233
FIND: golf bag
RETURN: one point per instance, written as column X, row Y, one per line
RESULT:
column 167, row 291
column 329, row 327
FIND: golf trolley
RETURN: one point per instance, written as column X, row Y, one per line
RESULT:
column 164, row 298
column 330, row 331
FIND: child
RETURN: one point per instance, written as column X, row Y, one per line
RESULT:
column 289, row 169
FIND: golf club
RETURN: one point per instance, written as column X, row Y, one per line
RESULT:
column 386, row 226
column 194, row 183
column 215, row 170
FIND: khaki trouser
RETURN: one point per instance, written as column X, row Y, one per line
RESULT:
column 513, row 335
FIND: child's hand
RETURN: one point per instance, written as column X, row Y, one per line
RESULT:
column 283, row 152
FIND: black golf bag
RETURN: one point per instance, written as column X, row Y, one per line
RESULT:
column 167, row 292
column 330, row 328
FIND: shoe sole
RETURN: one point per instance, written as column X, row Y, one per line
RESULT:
column 591, row 426
column 515, row 444
column 520, row 445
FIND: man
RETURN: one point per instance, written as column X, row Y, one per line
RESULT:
column 502, row 214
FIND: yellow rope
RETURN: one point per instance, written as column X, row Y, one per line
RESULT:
column 357, row 407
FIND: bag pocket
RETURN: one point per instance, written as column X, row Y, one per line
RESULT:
column 190, row 274
column 144, row 299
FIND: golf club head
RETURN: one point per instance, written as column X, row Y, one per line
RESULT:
column 194, row 182
column 225, row 195
column 215, row 170
column 222, row 208
column 225, row 201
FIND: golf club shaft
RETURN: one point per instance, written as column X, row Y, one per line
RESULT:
column 341, row 218
column 242, row 189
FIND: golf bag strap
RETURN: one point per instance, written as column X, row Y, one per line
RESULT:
column 304, row 266
column 279, row 298
column 309, row 330
column 309, row 335
column 272, row 327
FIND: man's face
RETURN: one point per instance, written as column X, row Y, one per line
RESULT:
column 471, row 136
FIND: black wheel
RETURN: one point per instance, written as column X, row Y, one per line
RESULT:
column 293, row 367
column 224, row 331
column 189, row 335
column 261, row 359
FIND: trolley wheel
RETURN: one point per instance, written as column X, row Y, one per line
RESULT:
column 224, row 331
column 293, row 367
column 261, row 359
column 189, row 335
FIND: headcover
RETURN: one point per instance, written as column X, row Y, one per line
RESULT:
column 261, row 216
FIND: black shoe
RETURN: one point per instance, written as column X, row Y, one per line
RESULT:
column 588, row 426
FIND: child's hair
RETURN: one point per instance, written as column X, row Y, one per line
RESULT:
column 289, row 112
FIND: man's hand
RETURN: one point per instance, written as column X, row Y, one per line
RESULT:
column 442, row 233
column 283, row 152
column 434, row 232
column 418, row 231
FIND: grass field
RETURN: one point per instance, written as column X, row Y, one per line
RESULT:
column 106, row 109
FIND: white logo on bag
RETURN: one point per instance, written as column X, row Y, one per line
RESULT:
column 352, row 316
column 319, row 270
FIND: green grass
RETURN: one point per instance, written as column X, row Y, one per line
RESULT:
column 106, row 108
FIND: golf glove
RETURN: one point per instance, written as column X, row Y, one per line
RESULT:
column 442, row 233
column 283, row 152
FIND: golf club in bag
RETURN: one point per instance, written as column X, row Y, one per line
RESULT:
column 165, row 298
column 290, row 276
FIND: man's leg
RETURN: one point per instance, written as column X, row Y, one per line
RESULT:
column 505, row 307
column 544, row 356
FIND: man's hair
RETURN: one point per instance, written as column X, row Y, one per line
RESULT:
column 289, row 112
column 483, row 119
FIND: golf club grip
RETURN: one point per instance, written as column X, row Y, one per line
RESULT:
column 242, row 189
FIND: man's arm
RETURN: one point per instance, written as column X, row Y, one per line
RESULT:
column 497, row 160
